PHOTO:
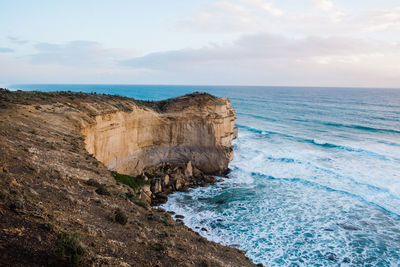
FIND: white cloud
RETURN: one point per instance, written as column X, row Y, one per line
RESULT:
column 380, row 20
column 268, row 7
column 275, row 59
column 253, row 16
column 242, row 16
column 220, row 16
column 324, row 5
column 261, row 47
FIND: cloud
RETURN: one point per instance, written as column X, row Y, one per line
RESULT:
column 268, row 7
column 19, row 70
column 6, row 50
column 220, row 16
column 17, row 40
column 380, row 20
column 276, row 59
column 324, row 5
column 231, row 16
column 74, row 53
column 75, row 61
column 257, row 47
column 254, row 16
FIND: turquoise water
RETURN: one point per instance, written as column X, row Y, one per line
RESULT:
column 315, row 180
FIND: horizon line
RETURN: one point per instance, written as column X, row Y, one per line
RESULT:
column 202, row 85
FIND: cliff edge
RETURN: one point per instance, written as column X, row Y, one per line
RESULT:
column 78, row 171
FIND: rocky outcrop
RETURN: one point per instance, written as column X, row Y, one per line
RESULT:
column 166, row 178
column 196, row 128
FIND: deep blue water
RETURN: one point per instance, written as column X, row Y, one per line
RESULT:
column 315, row 180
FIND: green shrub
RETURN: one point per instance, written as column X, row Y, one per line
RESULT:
column 16, row 205
column 120, row 216
column 69, row 251
column 102, row 190
column 140, row 203
column 129, row 195
column 132, row 182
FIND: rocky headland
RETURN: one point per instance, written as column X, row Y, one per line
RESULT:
column 81, row 173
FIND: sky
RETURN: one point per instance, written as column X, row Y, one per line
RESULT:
column 343, row 43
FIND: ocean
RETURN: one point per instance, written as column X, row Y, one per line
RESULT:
column 315, row 179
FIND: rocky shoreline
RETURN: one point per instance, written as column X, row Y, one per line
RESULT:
column 166, row 179
column 61, row 205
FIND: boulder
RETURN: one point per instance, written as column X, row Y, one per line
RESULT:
column 145, row 193
column 166, row 180
column 156, row 186
column 196, row 172
column 189, row 169
column 178, row 184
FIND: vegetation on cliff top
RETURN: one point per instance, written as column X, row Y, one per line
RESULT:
column 120, row 102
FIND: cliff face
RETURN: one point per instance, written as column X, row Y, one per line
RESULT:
column 198, row 128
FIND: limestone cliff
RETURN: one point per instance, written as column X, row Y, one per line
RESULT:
column 198, row 128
